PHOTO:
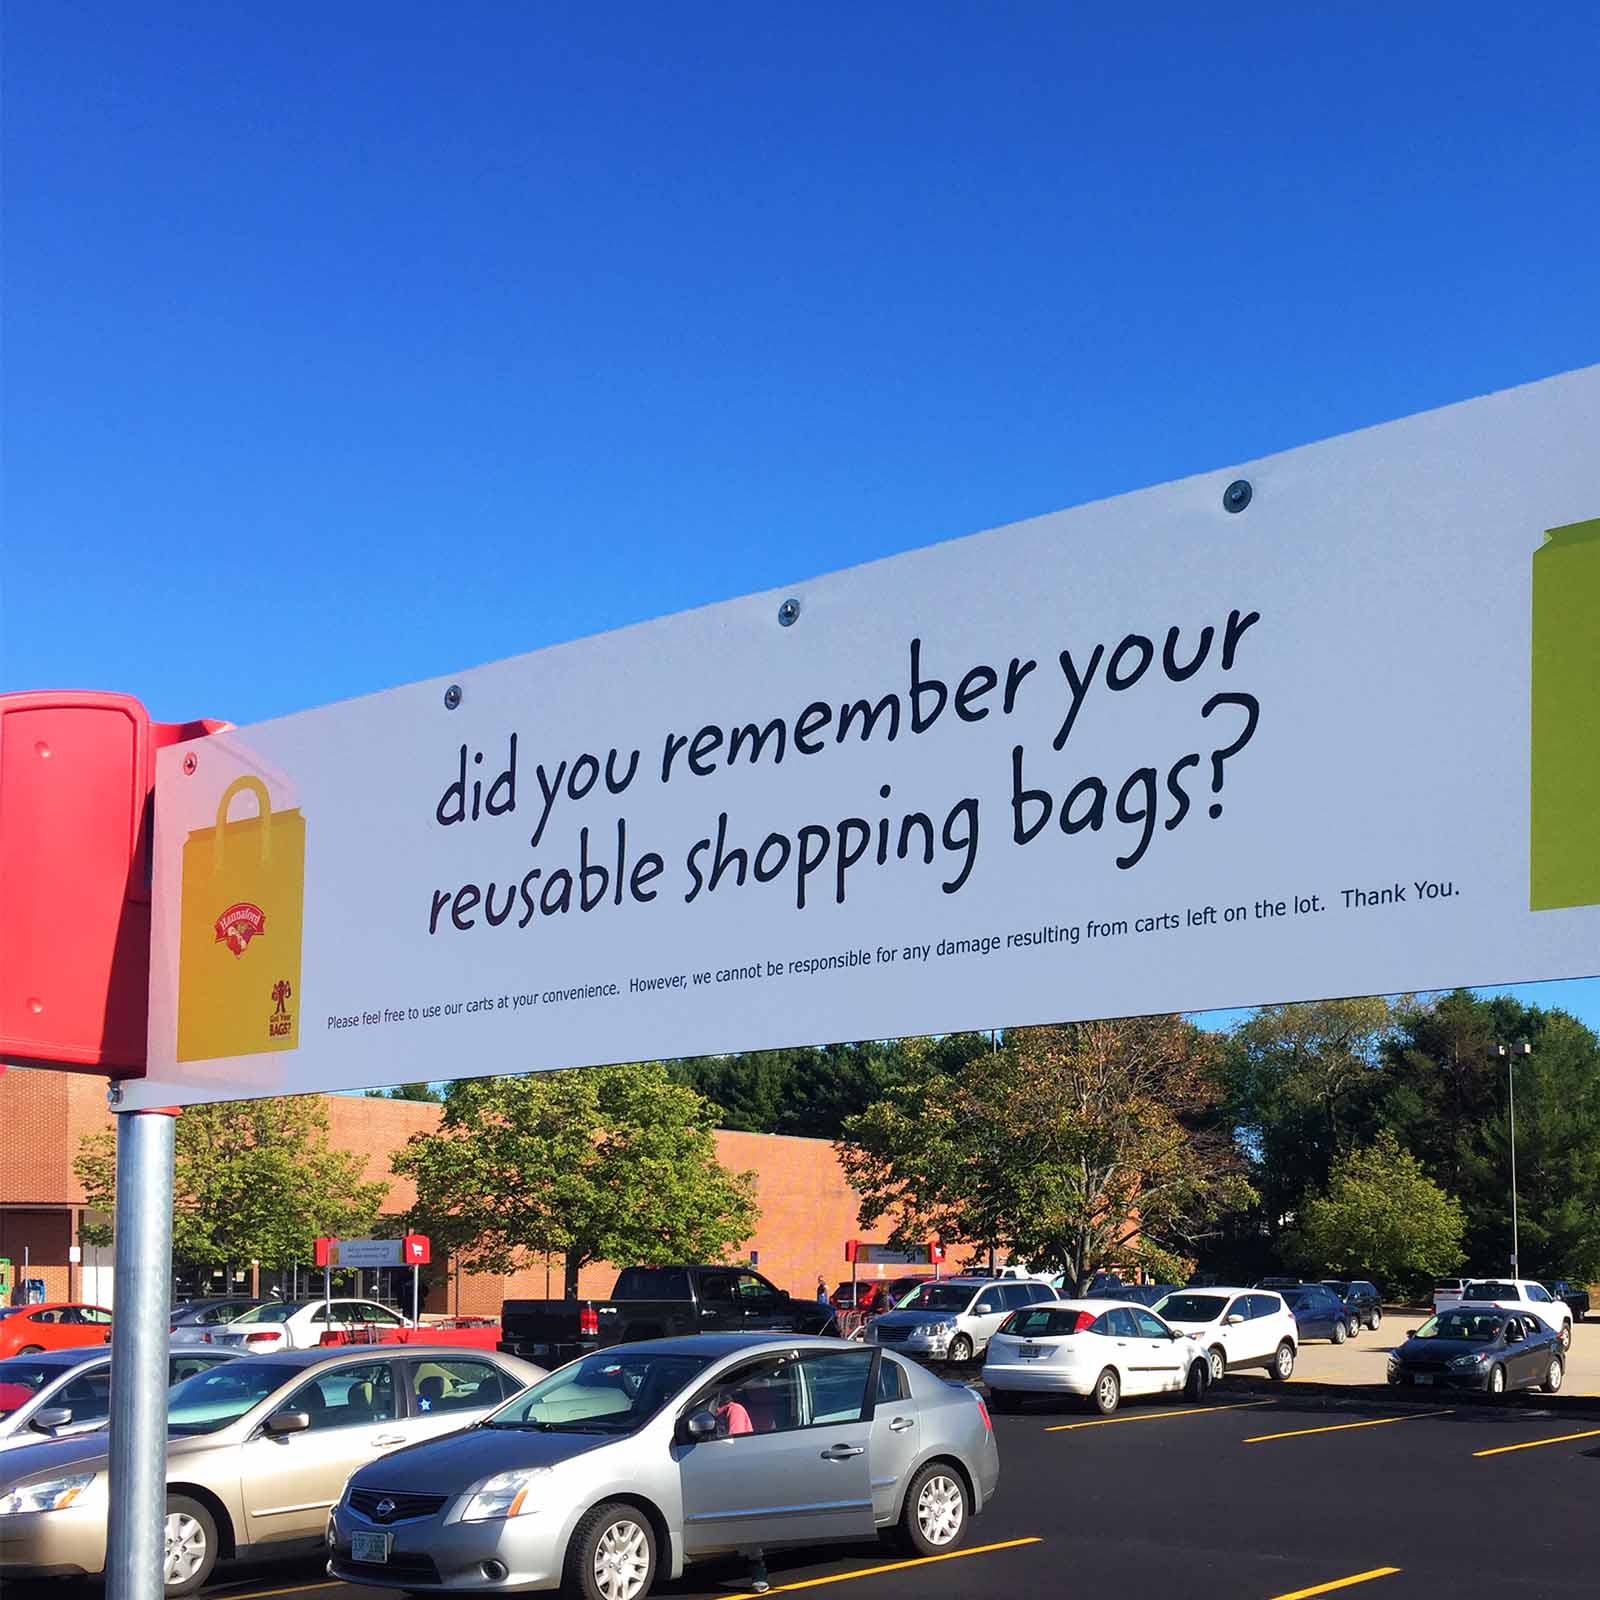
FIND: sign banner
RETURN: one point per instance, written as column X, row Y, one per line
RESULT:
column 370, row 1253
column 1321, row 724
column 864, row 1253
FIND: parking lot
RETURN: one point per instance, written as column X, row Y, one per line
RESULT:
column 1252, row 1496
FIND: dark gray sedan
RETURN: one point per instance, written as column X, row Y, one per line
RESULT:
column 1473, row 1347
column 628, row 1464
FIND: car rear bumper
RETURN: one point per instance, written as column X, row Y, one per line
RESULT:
column 1038, row 1377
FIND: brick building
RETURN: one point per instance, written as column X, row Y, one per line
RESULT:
column 807, row 1209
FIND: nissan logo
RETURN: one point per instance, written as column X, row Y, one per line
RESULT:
column 384, row 1509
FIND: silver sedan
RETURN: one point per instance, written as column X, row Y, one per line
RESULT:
column 626, row 1465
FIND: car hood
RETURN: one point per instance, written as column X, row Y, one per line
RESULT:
column 1443, row 1349
column 50, row 1456
column 913, row 1319
column 458, row 1460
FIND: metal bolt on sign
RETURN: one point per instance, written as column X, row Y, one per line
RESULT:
column 788, row 613
column 1237, row 495
column 452, row 697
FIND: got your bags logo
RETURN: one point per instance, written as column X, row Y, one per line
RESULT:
column 242, row 904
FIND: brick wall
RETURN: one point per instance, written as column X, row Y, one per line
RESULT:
column 807, row 1209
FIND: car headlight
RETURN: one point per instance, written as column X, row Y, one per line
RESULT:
column 504, row 1495
column 1467, row 1363
column 54, row 1494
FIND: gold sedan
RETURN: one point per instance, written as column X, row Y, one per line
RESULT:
column 258, row 1450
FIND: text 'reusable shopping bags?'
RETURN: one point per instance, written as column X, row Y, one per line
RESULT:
column 239, row 955
column 1564, row 848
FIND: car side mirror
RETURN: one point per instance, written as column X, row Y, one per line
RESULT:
column 1235, row 1319
column 283, row 1422
column 1411, row 1333
column 50, row 1417
column 983, row 1309
column 700, row 1425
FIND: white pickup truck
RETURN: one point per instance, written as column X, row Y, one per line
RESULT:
column 1524, row 1296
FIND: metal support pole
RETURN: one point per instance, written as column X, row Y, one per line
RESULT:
column 135, row 1534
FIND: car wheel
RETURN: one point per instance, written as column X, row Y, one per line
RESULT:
column 1218, row 1363
column 1282, row 1366
column 1566, row 1335
column 191, row 1546
column 1375, row 1319
column 1340, row 1333
column 1497, row 1380
column 1198, row 1381
column 612, row 1555
column 1552, row 1378
column 1002, row 1400
column 960, row 1349
column 1107, row 1392
column 935, row 1514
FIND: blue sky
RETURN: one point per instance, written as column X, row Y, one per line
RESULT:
column 353, row 344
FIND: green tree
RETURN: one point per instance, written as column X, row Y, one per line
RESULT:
column 1082, row 1147
column 423, row 1092
column 1302, row 1082
column 253, row 1180
column 599, row 1164
column 1379, row 1216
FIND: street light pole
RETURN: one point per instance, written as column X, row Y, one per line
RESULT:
column 1511, row 1052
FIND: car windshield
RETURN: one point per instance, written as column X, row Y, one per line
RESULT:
column 1191, row 1307
column 21, row 1379
column 1337, row 1285
column 608, row 1392
column 1480, row 1326
column 280, row 1312
column 939, row 1297
column 211, row 1400
column 1297, row 1299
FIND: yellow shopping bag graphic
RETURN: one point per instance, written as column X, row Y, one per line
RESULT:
column 239, row 955
column 1564, row 850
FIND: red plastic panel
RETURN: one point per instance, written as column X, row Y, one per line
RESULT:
column 76, row 775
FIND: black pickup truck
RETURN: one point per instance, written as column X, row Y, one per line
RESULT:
column 1575, row 1295
column 656, row 1303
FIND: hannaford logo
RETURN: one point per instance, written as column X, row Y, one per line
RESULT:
column 239, row 924
column 282, row 1018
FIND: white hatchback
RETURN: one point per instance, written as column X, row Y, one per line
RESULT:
column 1092, row 1349
column 1238, row 1327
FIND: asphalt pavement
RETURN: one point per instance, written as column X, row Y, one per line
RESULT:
column 1247, row 1497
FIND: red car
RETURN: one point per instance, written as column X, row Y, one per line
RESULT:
column 26, row 1329
column 862, row 1296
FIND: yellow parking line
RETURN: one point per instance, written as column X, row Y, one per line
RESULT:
column 1158, row 1416
column 1344, row 1427
column 262, row 1594
column 896, row 1566
column 1339, row 1583
column 1533, row 1444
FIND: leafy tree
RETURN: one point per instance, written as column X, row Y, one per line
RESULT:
column 424, row 1092
column 1446, row 1100
column 603, row 1164
column 1379, row 1216
column 1082, row 1147
column 253, row 1180
column 1302, row 1082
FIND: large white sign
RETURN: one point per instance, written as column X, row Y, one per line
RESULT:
column 1329, row 732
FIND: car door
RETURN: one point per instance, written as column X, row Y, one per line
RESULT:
column 451, row 1392
column 1235, row 1337
column 802, row 1474
column 288, row 1481
column 1128, row 1351
column 1527, row 1352
column 1542, row 1305
column 1163, row 1355
column 760, row 1305
column 896, row 1437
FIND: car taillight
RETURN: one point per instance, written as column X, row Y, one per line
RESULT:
column 983, row 1411
column 588, row 1320
column 259, row 1338
column 205, row 1338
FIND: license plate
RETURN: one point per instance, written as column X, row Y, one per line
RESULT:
column 1031, row 1352
column 370, row 1547
column 1424, row 1377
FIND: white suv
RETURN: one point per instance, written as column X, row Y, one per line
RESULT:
column 1239, row 1327
column 1526, row 1297
column 953, row 1320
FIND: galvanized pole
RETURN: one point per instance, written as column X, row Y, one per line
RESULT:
column 1511, row 1095
column 135, row 1534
